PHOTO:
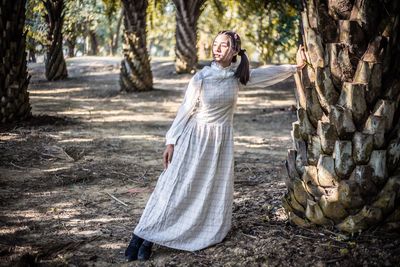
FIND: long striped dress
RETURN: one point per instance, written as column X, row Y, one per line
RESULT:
column 191, row 205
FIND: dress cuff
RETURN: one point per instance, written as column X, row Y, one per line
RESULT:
column 170, row 141
column 294, row 69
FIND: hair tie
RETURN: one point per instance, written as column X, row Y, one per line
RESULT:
column 241, row 52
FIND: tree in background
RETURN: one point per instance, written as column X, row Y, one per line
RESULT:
column 135, row 73
column 89, row 27
column 161, row 27
column 92, row 27
column 187, row 15
column 56, row 68
column 269, row 29
column 217, row 15
column 345, row 168
column 14, row 79
column 271, row 25
column 74, row 24
column 35, row 26
column 111, row 9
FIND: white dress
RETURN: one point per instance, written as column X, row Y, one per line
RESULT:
column 191, row 205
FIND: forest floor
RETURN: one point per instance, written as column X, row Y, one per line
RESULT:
column 88, row 143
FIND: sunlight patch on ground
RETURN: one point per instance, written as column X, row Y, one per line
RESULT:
column 29, row 213
column 9, row 137
column 63, row 204
column 246, row 102
column 259, row 142
column 172, row 81
column 122, row 118
column 146, row 137
column 101, row 73
column 44, row 194
column 93, row 60
column 97, row 220
column 113, row 245
column 80, row 111
column 280, row 215
column 260, row 146
column 63, row 213
column 56, row 169
column 13, row 230
column 76, row 140
column 79, row 233
column 65, row 97
column 74, row 232
column 251, row 139
column 257, row 92
column 57, row 91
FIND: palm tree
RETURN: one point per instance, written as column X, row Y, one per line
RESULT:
column 135, row 67
column 14, row 78
column 56, row 69
column 187, row 15
column 345, row 168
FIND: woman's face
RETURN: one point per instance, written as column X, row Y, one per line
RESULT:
column 222, row 50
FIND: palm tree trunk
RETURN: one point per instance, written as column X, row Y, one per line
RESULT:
column 14, row 78
column 344, row 169
column 187, row 15
column 56, row 69
column 135, row 67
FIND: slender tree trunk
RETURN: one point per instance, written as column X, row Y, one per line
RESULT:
column 135, row 67
column 71, row 43
column 115, row 39
column 94, row 44
column 187, row 15
column 31, row 45
column 56, row 68
column 32, row 55
column 110, row 38
column 14, row 78
column 344, row 169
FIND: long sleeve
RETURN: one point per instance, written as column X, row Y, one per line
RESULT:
column 269, row 75
column 184, row 111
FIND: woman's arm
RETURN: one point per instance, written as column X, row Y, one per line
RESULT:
column 269, row 75
column 185, row 109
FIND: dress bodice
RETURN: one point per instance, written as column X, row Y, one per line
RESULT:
column 218, row 95
column 212, row 93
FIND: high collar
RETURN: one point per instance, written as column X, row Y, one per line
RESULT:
column 215, row 65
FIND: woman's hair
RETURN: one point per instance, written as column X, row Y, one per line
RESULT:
column 242, row 71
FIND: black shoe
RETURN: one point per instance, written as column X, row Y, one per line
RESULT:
column 131, row 252
column 145, row 250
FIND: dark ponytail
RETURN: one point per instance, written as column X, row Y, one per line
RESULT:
column 242, row 72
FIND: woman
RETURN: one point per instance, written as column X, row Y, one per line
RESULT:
column 191, row 205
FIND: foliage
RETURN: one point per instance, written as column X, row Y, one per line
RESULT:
column 268, row 28
column 161, row 27
column 272, row 25
column 35, row 26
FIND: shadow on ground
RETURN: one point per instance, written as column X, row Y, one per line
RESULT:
column 87, row 144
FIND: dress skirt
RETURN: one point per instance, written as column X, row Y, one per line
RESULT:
column 191, row 205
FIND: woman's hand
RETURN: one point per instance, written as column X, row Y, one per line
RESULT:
column 169, row 151
column 301, row 58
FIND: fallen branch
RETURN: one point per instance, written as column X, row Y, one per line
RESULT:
column 120, row 201
column 16, row 166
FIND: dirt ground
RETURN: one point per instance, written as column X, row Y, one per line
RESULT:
column 88, row 144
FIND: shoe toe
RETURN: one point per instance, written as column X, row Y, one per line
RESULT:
column 144, row 253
